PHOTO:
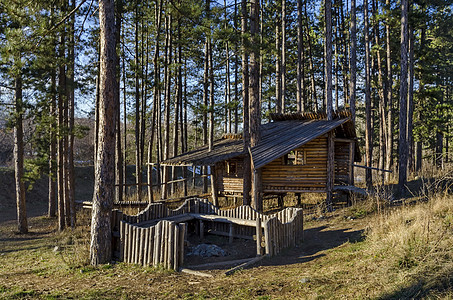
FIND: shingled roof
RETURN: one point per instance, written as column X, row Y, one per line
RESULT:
column 278, row 138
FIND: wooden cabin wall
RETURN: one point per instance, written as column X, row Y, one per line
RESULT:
column 229, row 183
column 310, row 177
column 342, row 162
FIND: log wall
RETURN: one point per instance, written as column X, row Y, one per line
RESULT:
column 312, row 176
column 230, row 183
column 342, row 162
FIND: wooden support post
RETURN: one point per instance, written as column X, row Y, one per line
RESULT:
column 351, row 162
column 214, row 194
column 257, row 193
column 182, row 240
column 201, row 230
column 267, row 237
column 330, row 169
column 298, row 199
column 259, row 234
column 122, row 239
column 230, row 234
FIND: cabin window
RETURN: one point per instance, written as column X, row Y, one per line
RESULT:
column 231, row 168
column 296, row 157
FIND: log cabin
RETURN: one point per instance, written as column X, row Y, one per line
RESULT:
column 292, row 156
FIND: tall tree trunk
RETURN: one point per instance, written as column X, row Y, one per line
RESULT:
column 71, row 110
column 245, row 100
column 353, row 61
column 61, row 134
column 278, row 67
column 119, row 175
column 254, row 97
column 138, row 163
column 236, row 73
column 300, row 96
column 22, row 225
column 381, row 93
column 344, row 61
column 368, row 127
column 156, row 95
column 53, row 147
column 104, row 189
column 328, row 99
column 389, row 142
column 403, row 149
column 283, row 47
column 167, row 95
column 410, row 103
column 314, row 99
column 210, row 80
column 336, row 53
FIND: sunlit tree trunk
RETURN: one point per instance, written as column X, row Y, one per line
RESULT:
column 245, row 100
column 104, row 189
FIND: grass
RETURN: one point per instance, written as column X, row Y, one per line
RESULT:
column 370, row 250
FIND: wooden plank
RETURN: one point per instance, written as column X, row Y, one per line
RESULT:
column 171, row 245
column 220, row 263
column 141, row 245
column 227, row 234
column 196, row 273
column 122, row 239
column 258, row 237
column 267, row 237
column 157, row 244
column 245, row 265
column 182, row 239
column 145, row 248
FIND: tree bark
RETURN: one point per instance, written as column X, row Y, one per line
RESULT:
column 410, row 103
column 353, row 62
column 328, row 58
column 22, row 225
column 368, row 127
column 101, row 232
column 314, row 99
column 254, row 97
column 138, row 163
column 119, row 175
column 283, row 47
column 245, row 100
column 402, row 155
column 381, row 93
column 61, row 134
column 53, row 148
column 329, row 106
column 389, row 142
column 71, row 110
column 300, row 96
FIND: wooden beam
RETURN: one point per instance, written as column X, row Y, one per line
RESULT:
column 351, row 162
column 246, row 264
column 214, row 190
column 330, row 168
column 196, row 273
column 372, row 168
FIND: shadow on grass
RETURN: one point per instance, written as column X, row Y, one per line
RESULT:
column 423, row 288
column 315, row 241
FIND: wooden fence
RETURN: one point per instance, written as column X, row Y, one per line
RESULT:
column 162, row 244
column 154, row 237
